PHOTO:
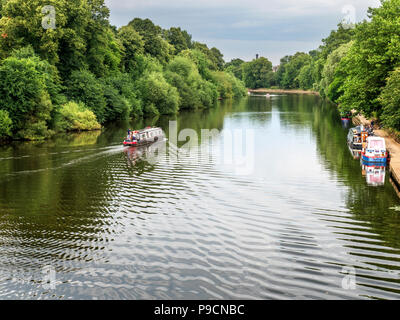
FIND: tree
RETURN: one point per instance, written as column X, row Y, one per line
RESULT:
column 375, row 53
column 281, row 70
column 258, row 73
column 194, row 91
column 82, row 86
column 154, row 44
column 180, row 39
column 25, row 96
column 290, row 78
column 390, row 100
column 201, row 61
column 305, row 78
column 81, row 38
column 235, row 66
column 215, row 57
column 158, row 96
column 333, row 75
column 133, row 45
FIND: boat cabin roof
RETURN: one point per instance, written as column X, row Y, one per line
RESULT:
column 376, row 142
column 148, row 129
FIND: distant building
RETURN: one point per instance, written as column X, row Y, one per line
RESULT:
column 257, row 56
column 275, row 68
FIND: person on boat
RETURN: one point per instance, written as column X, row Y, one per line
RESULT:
column 129, row 134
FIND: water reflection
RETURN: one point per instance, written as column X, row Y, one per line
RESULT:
column 375, row 175
column 149, row 153
column 346, row 123
column 356, row 154
column 125, row 223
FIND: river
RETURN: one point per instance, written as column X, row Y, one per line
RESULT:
column 82, row 217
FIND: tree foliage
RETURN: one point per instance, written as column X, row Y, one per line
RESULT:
column 390, row 100
column 84, row 72
column 257, row 73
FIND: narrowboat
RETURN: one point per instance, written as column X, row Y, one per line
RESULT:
column 356, row 154
column 356, row 137
column 374, row 151
column 143, row 137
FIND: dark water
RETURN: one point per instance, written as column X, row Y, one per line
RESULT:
column 101, row 221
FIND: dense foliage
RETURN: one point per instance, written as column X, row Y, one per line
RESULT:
column 74, row 71
column 357, row 66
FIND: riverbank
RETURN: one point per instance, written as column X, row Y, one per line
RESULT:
column 298, row 91
column 392, row 145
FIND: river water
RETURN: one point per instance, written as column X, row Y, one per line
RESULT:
column 294, row 217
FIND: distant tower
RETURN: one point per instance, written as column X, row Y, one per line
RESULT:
column 257, row 56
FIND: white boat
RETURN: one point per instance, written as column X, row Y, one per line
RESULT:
column 374, row 151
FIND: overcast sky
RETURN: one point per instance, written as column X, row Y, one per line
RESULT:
column 242, row 28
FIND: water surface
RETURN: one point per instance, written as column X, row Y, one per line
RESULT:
column 114, row 225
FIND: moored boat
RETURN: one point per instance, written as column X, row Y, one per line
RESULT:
column 374, row 151
column 143, row 137
column 356, row 137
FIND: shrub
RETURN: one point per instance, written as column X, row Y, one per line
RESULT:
column 23, row 92
column 5, row 124
column 76, row 117
column 83, row 86
column 158, row 95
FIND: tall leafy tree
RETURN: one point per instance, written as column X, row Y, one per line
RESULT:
column 375, row 53
column 154, row 44
column 293, row 67
column 180, row 39
column 133, row 45
column 235, row 66
column 258, row 73
column 24, row 95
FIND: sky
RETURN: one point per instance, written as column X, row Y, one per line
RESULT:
column 244, row 28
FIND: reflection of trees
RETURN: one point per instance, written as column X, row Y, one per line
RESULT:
column 55, row 193
column 367, row 204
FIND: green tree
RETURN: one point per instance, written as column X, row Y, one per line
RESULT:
column 305, row 77
column 235, row 67
column 214, row 56
column 375, row 53
column 154, row 44
column 82, row 86
column 333, row 75
column 194, row 91
column 180, row 39
column 81, row 38
column 258, row 73
column 390, row 100
column 158, row 96
column 133, row 45
column 25, row 97
column 293, row 67
column 124, row 84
